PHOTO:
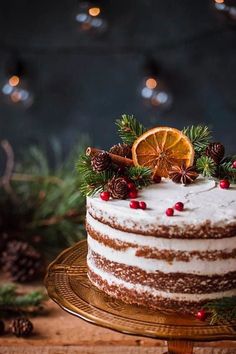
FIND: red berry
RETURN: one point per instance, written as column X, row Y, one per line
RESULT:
column 142, row 205
column 105, row 196
column 133, row 194
column 201, row 315
column 170, row 212
column 134, row 204
column 234, row 164
column 157, row 179
column 131, row 186
column 224, row 184
column 179, row 206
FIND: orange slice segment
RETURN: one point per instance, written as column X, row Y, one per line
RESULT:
column 162, row 148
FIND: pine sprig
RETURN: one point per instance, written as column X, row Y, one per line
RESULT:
column 11, row 301
column 129, row 129
column 91, row 182
column 206, row 166
column 222, row 310
column 199, row 135
column 141, row 176
column 226, row 171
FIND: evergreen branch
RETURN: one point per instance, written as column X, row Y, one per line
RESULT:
column 199, row 135
column 222, row 310
column 226, row 171
column 10, row 299
column 92, row 182
column 141, row 176
column 206, row 166
column 129, row 129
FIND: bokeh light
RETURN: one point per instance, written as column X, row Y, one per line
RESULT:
column 14, row 80
column 94, row 11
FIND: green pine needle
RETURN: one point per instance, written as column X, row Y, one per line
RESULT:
column 11, row 300
column 199, row 135
column 226, row 171
column 129, row 129
column 222, row 310
column 91, row 182
column 206, row 166
column 141, row 176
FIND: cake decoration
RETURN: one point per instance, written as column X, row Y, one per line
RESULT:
column 168, row 247
column 179, row 206
column 181, row 174
column 224, row 184
column 169, row 211
column 161, row 148
column 145, row 156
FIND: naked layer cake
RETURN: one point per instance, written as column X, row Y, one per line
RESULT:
column 161, row 218
column 143, row 257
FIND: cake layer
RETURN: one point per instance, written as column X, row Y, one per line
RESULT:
column 172, row 282
column 196, row 266
column 210, row 212
column 149, row 297
column 161, row 248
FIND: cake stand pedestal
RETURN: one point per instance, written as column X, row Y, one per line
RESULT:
column 68, row 285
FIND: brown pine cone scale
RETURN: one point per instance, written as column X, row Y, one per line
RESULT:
column 22, row 261
column 101, row 162
column 123, row 150
column 21, row 327
column 216, row 151
column 118, row 188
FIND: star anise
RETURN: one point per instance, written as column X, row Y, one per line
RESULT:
column 184, row 175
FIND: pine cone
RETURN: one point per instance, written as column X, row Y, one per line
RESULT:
column 216, row 151
column 118, row 188
column 22, row 261
column 123, row 150
column 183, row 175
column 101, row 162
column 2, row 327
column 21, row 327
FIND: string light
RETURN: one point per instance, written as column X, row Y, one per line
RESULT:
column 90, row 18
column 15, row 88
column 227, row 10
column 153, row 90
column 94, row 11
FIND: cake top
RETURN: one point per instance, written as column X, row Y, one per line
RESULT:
column 209, row 211
column 190, row 166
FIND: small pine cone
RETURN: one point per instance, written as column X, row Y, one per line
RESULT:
column 118, row 188
column 101, row 162
column 2, row 327
column 21, row 327
column 183, row 175
column 22, row 261
column 216, row 151
column 123, row 150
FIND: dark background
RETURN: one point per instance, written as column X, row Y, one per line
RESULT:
column 81, row 83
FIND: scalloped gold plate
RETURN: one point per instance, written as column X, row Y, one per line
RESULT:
column 68, row 285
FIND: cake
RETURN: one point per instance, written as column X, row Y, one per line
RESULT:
column 177, row 263
column 161, row 219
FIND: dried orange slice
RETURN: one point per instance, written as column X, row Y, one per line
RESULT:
column 161, row 148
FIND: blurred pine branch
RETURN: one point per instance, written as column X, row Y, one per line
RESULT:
column 40, row 202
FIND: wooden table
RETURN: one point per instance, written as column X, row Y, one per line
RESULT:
column 61, row 333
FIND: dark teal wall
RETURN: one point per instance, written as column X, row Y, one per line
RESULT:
column 82, row 83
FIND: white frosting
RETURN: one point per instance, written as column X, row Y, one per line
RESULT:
column 174, row 244
column 203, row 200
column 112, row 280
column 195, row 266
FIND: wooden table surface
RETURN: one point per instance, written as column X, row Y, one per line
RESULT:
column 58, row 332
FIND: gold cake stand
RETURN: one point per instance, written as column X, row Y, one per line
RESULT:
column 68, row 285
